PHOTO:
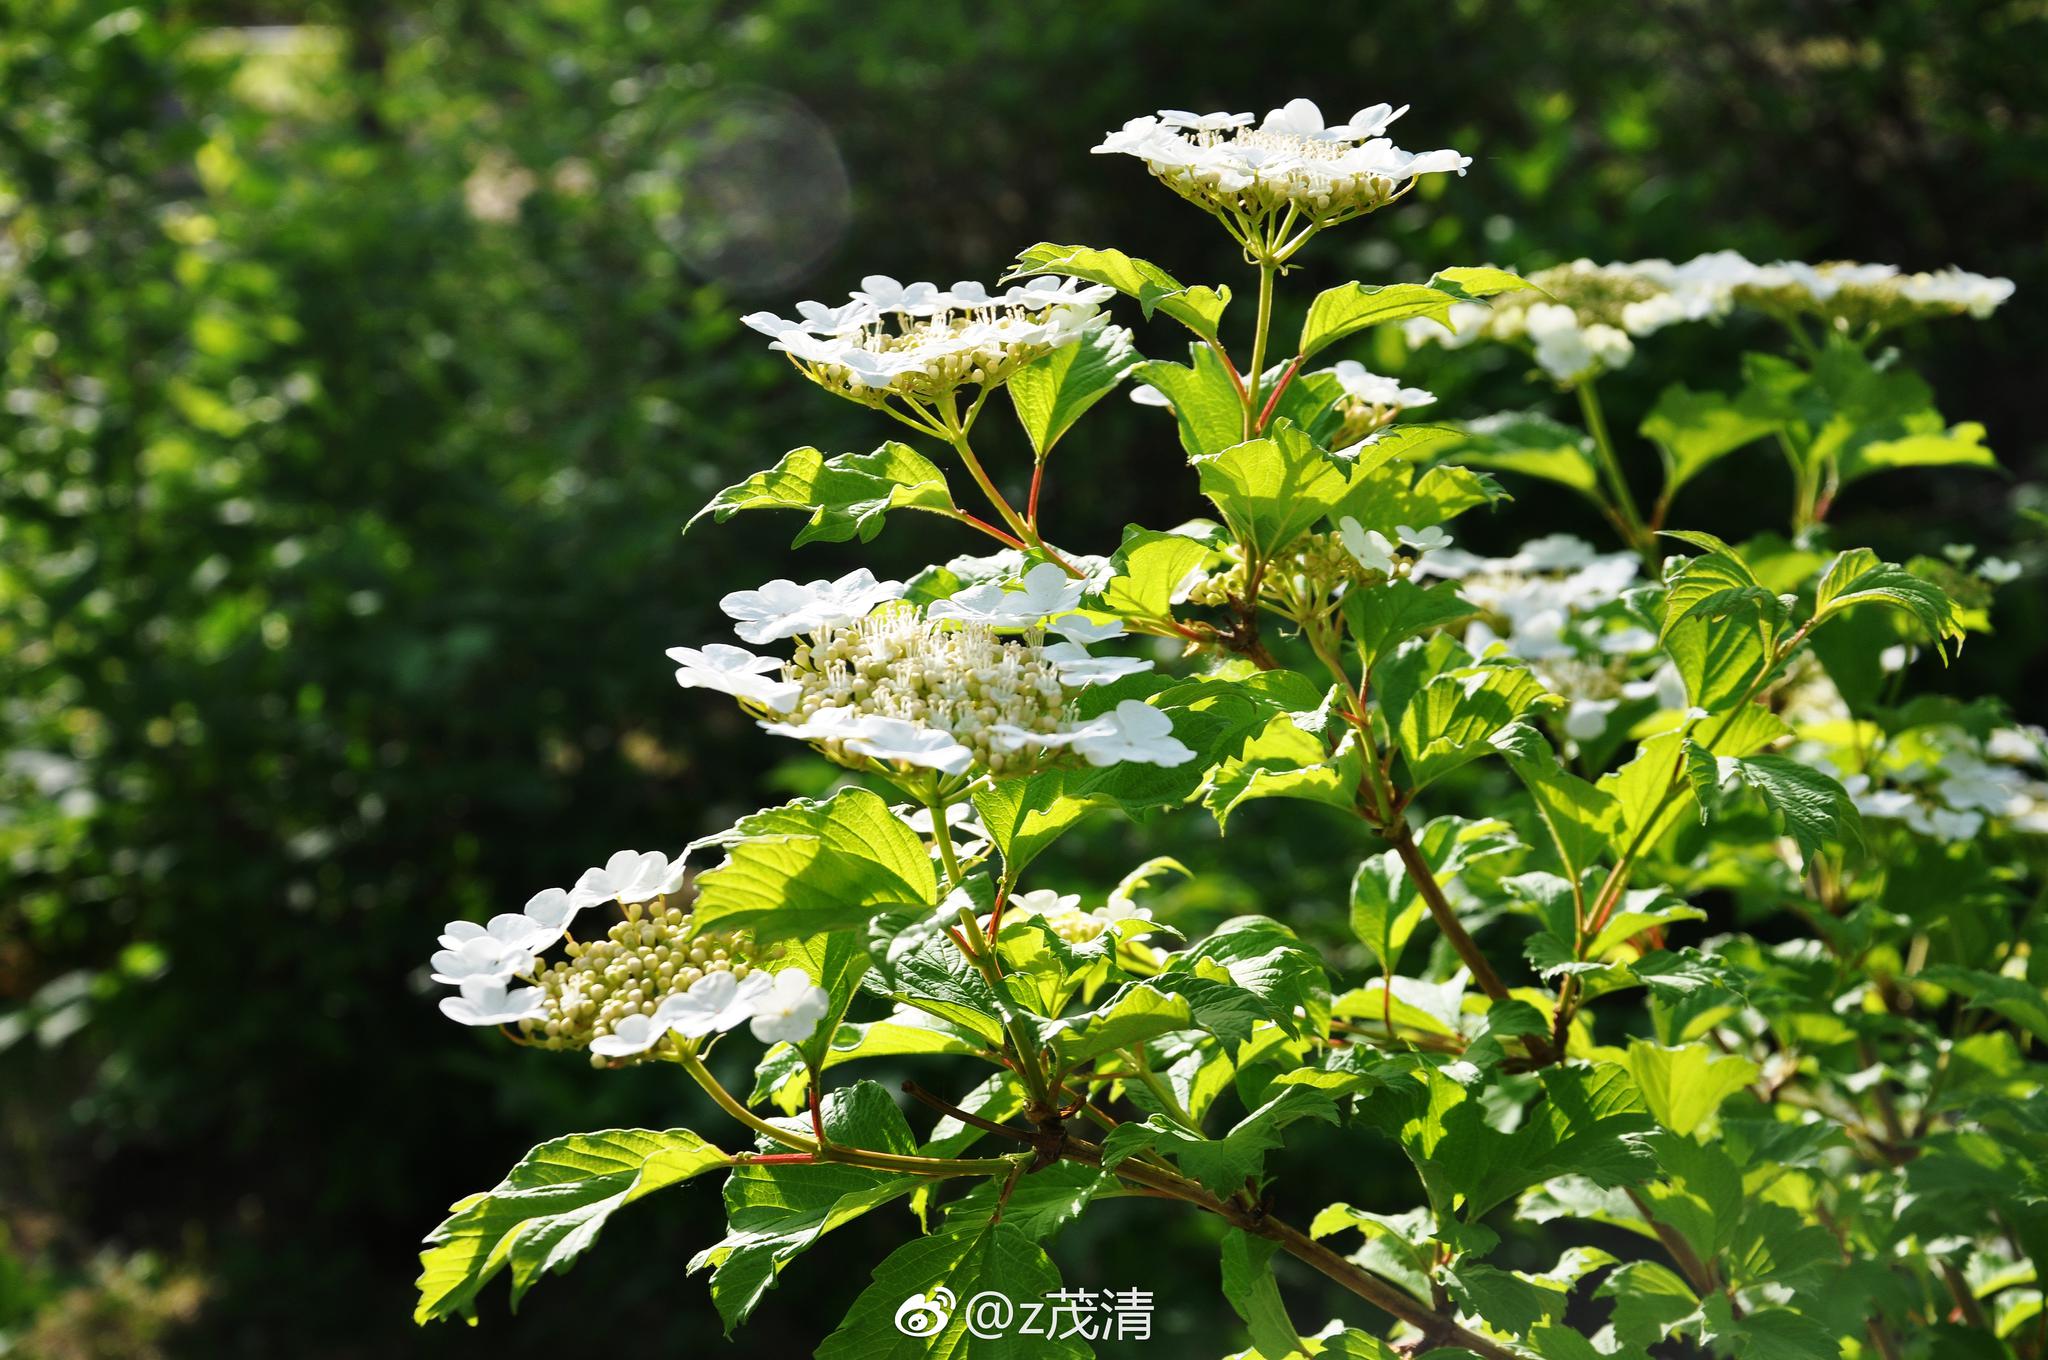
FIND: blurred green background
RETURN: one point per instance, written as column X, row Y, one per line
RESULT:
column 359, row 364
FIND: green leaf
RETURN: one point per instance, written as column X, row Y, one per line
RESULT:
column 1039, row 1205
column 1293, row 756
column 1024, row 816
column 1582, row 819
column 1649, row 1299
column 1507, row 1302
column 847, row 496
column 1205, row 401
column 993, row 1256
column 2017, row 1000
column 1818, row 811
column 1198, row 308
column 1720, row 659
column 1267, row 961
column 1448, row 723
column 1271, row 490
column 1149, row 568
column 1254, row 1295
column 777, row 1211
column 1717, row 583
column 1684, row 1085
column 810, row 867
column 1393, row 493
column 1695, row 429
column 1585, row 1127
column 1137, row 1012
column 1054, row 390
column 1859, row 577
column 1382, row 618
column 1352, row 307
column 782, row 1073
column 919, row 966
column 1534, row 445
column 548, row 1210
column 1958, row 446
column 1221, row 1164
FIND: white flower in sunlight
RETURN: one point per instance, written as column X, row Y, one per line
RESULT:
column 628, row 876
column 1084, row 630
column 1077, row 667
column 481, row 958
column 735, row 671
column 899, row 739
column 1045, row 591
column 1040, row 902
column 638, row 1033
column 790, row 1008
column 1423, row 540
column 1204, row 122
column 1369, row 547
column 1144, row 394
column 1999, row 571
column 782, row 609
column 1569, row 352
column 1132, row 731
column 1373, row 389
column 961, row 820
column 489, row 1003
column 549, row 910
column 715, row 1003
column 1587, row 718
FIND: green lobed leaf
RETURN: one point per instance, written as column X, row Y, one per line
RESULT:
column 1382, row 618
column 548, row 1210
column 1693, row 430
column 1534, row 445
column 1254, row 1295
column 1054, row 390
column 1451, row 720
column 1683, row 1086
column 1352, row 307
column 815, row 866
column 1149, row 569
column 1222, row 1164
column 847, row 497
column 1817, row 810
column 1204, row 400
column 994, row 1256
column 1198, row 308
column 1859, row 577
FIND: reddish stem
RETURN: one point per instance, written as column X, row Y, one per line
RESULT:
column 817, row 1119
column 1278, row 388
column 991, row 530
column 1031, row 505
column 778, row 1158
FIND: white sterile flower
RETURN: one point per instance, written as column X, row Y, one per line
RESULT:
column 1587, row 718
column 1085, row 630
column 549, row 910
column 899, row 739
column 628, row 876
column 1040, row 902
column 1145, row 394
column 1423, row 540
column 1077, row 667
column 1998, row 570
column 735, row 671
column 782, row 609
column 961, row 818
column 481, row 958
column 790, row 1008
column 715, row 1003
column 1373, row 389
column 1133, row 731
column 638, row 1033
column 1204, row 122
column 1896, row 657
column 1371, row 548
column 1046, row 591
column 489, row 1003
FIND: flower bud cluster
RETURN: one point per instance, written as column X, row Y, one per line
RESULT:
column 920, row 341
column 1291, row 162
column 641, row 961
column 961, row 678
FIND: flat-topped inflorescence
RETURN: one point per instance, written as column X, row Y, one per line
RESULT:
column 1288, row 170
column 921, row 342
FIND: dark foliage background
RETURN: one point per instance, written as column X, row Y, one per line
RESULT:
column 361, row 361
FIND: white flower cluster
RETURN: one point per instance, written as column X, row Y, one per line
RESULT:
column 650, row 975
column 1549, row 605
column 1593, row 310
column 1063, row 914
column 1290, row 161
column 943, row 688
column 922, row 341
column 1947, row 786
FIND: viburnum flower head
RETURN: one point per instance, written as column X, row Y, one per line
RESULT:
column 1290, row 161
column 920, row 342
column 783, row 608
